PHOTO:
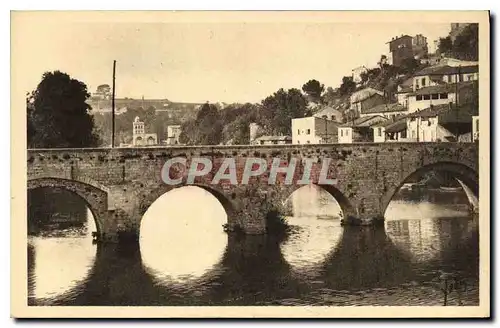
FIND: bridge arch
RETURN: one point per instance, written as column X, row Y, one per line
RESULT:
column 95, row 198
column 147, row 199
column 466, row 174
column 343, row 202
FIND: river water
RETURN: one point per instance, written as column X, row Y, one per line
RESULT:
column 185, row 258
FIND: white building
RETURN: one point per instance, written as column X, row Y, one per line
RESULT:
column 356, row 73
column 440, row 74
column 139, row 137
column 314, row 130
column 440, row 95
column 173, row 133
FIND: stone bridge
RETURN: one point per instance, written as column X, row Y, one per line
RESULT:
column 118, row 185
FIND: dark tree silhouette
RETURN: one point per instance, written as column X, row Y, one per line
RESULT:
column 281, row 108
column 58, row 115
column 314, row 89
column 348, row 85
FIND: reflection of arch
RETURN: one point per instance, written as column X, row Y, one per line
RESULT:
column 460, row 171
column 95, row 198
column 344, row 203
column 147, row 199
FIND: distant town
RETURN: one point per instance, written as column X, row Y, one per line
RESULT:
column 410, row 95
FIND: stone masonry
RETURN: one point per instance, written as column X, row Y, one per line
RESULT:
column 120, row 184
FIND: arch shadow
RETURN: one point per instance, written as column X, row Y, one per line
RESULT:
column 95, row 198
column 464, row 173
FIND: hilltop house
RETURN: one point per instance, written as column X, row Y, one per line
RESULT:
column 366, row 98
column 439, row 94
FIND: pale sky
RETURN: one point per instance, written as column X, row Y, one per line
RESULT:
column 198, row 62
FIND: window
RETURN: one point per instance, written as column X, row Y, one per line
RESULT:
column 423, row 81
column 341, row 132
column 435, row 96
column 403, row 134
column 419, row 97
column 450, row 78
column 325, row 117
column 477, row 125
column 460, row 78
column 298, row 132
column 308, row 131
column 379, row 132
column 443, row 96
column 308, row 141
column 347, row 132
column 427, row 97
column 333, row 117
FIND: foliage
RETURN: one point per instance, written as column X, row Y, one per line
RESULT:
column 58, row 115
column 280, row 108
column 206, row 129
column 465, row 45
column 314, row 89
column 348, row 86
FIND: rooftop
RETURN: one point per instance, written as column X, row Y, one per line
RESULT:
column 384, row 108
column 448, row 113
column 274, row 138
column 366, row 121
column 447, row 70
column 444, row 88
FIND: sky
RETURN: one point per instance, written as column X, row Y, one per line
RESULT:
column 211, row 61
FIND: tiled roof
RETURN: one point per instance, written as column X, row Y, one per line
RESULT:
column 444, row 88
column 366, row 121
column 327, row 111
column 447, row 70
column 384, row 108
column 270, row 138
column 449, row 113
column 397, row 126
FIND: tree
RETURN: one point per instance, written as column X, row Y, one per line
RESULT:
column 409, row 65
column 58, row 115
column 206, row 129
column 348, row 85
column 330, row 96
column 465, row 46
column 314, row 89
column 280, row 108
column 445, row 45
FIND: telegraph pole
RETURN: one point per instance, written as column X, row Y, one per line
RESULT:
column 113, row 108
column 456, row 102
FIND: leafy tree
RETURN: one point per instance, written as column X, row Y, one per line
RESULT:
column 58, row 115
column 280, row 108
column 330, row 96
column 465, row 46
column 314, row 89
column 348, row 86
column 206, row 129
column 409, row 66
column 364, row 77
column 445, row 45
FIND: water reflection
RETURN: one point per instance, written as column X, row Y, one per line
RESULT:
column 316, row 228
column 182, row 236
column 184, row 258
column 60, row 259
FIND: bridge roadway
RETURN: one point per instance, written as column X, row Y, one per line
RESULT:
column 120, row 184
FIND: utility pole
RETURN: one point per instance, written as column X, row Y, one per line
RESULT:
column 113, row 108
column 456, row 103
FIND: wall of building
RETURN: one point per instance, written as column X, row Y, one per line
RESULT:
column 416, row 105
column 313, row 130
column 378, row 134
column 345, row 135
